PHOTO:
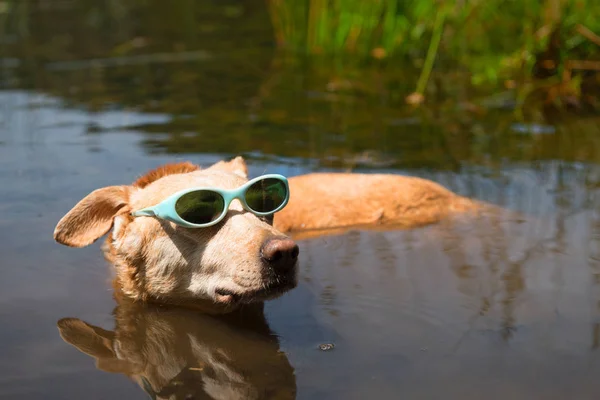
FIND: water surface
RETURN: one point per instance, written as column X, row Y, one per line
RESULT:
column 488, row 308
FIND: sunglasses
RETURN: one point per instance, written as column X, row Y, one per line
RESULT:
column 203, row 207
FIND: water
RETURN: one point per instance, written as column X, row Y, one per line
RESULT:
column 491, row 308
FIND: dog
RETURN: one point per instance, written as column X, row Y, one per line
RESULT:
column 245, row 258
column 178, row 353
column 331, row 203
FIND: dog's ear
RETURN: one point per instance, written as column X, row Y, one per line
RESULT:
column 237, row 166
column 95, row 342
column 92, row 217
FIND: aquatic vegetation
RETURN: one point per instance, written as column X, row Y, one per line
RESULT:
column 497, row 42
column 530, row 56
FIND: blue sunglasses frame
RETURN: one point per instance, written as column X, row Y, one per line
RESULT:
column 166, row 208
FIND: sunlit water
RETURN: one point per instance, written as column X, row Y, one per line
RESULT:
column 491, row 307
column 495, row 307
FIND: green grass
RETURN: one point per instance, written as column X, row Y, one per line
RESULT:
column 493, row 40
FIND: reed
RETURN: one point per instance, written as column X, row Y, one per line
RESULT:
column 491, row 39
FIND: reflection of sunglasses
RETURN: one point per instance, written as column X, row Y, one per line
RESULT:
column 203, row 207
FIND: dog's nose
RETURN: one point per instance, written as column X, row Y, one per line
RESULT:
column 280, row 253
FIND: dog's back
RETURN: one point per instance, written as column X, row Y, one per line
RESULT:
column 337, row 200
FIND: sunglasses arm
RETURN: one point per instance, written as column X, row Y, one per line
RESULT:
column 145, row 212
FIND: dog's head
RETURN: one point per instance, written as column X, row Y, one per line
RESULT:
column 242, row 259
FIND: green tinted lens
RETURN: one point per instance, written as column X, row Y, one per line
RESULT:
column 200, row 207
column 266, row 195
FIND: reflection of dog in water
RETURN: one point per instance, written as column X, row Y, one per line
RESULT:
column 178, row 353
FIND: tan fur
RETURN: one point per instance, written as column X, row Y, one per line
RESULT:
column 237, row 166
column 334, row 201
column 158, row 261
column 164, row 170
column 173, row 350
column 92, row 217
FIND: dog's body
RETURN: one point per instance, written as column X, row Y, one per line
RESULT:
column 331, row 202
column 222, row 266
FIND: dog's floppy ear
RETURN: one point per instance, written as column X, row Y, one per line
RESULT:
column 237, row 166
column 95, row 342
column 92, row 217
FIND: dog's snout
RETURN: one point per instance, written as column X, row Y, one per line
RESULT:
column 280, row 253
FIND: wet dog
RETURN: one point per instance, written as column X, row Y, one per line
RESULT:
column 331, row 203
column 245, row 258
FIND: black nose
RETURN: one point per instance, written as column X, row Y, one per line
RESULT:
column 280, row 253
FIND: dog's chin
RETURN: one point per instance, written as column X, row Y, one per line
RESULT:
column 268, row 291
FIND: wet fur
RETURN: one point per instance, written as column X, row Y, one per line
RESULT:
column 158, row 261
column 161, row 262
column 333, row 201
